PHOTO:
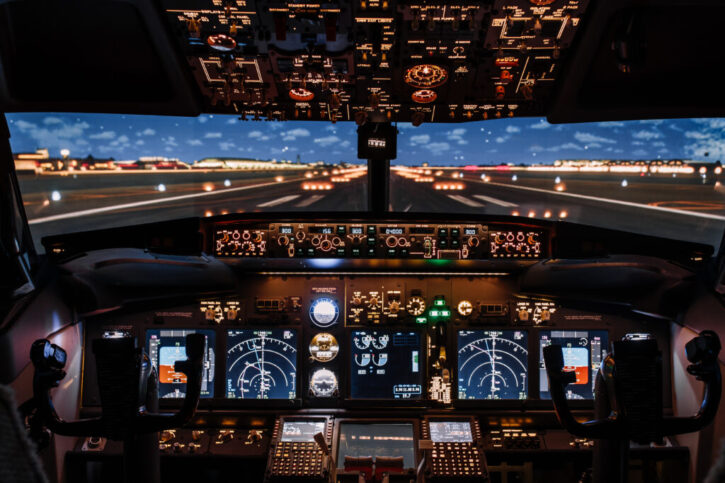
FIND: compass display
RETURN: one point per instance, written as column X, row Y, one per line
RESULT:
column 583, row 351
column 261, row 364
column 492, row 364
column 165, row 347
column 386, row 365
column 324, row 312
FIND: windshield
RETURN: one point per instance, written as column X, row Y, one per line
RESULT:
column 88, row 171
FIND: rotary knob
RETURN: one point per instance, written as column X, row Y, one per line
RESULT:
column 394, row 307
column 357, row 301
column 415, row 306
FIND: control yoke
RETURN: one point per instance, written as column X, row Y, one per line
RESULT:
column 125, row 378
column 629, row 384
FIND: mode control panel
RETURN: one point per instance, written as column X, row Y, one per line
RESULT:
column 427, row 241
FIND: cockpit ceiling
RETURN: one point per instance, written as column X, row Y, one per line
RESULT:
column 381, row 60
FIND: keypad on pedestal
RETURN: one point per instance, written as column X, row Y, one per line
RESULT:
column 456, row 459
column 298, row 459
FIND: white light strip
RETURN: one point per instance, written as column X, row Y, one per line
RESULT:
column 136, row 204
column 611, row 201
column 393, row 274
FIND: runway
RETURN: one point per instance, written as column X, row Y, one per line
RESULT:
column 685, row 208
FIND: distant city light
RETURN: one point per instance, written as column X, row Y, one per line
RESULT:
column 532, row 214
column 208, row 187
column 55, row 196
column 161, row 187
column 65, row 152
column 514, row 213
column 563, row 214
column 557, row 180
column 208, row 213
column 624, row 183
column 514, row 178
column 547, row 214
column 227, row 183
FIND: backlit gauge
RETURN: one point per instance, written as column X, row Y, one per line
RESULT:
column 426, row 76
column 381, row 342
column 324, row 347
column 465, row 308
column 424, row 96
column 374, row 302
column 324, row 312
column 301, row 95
column 323, row 383
column 362, row 341
column 221, row 42
column 540, row 3
column 415, row 305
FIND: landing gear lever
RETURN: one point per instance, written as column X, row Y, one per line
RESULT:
column 628, row 398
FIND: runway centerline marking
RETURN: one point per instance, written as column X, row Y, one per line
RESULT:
column 611, row 201
column 466, row 201
column 496, row 201
column 278, row 201
column 309, row 201
column 137, row 204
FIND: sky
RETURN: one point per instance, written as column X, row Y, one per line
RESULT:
column 512, row 140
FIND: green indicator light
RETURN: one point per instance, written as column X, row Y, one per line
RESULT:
column 421, row 320
column 434, row 313
column 445, row 313
column 439, row 302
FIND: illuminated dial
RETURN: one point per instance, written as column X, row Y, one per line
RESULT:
column 381, row 342
column 323, row 383
column 465, row 308
column 424, row 96
column 221, row 42
column 301, row 95
column 415, row 305
column 362, row 342
column 374, row 303
column 426, row 76
column 324, row 347
column 324, row 312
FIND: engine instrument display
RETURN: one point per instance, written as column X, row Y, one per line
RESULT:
column 261, row 364
column 301, row 431
column 492, row 364
column 583, row 351
column 388, row 439
column 450, row 432
column 386, row 365
column 165, row 347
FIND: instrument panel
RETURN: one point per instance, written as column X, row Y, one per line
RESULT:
column 390, row 241
column 416, row 61
column 347, row 340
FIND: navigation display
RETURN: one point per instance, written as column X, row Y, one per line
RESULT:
column 301, row 431
column 261, row 364
column 165, row 347
column 389, row 439
column 493, row 364
column 583, row 351
column 386, row 365
column 450, row 431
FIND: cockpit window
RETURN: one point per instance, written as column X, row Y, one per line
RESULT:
column 88, row 171
column 657, row 177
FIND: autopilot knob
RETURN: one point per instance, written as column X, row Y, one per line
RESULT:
column 254, row 436
column 523, row 315
column 394, row 307
column 356, row 301
column 232, row 313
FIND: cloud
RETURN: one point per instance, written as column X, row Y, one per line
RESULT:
column 419, row 139
column 25, row 125
column 105, row 135
column 512, row 129
column 327, row 141
column 542, row 124
column 48, row 121
column 233, row 120
column 646, row 135
column 438, row 148
column 203, row 119
column 194, row 142
column 585, row 137
column 611, row 124
column 502, row 139
column 457, row 136
column 255, row 134
column 140, row 142
column 295, row 133
column 146, row 132
column 213, row 135
column 169, row 142
column 226, row 146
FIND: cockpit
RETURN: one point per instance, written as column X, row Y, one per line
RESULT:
column 370, row 241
